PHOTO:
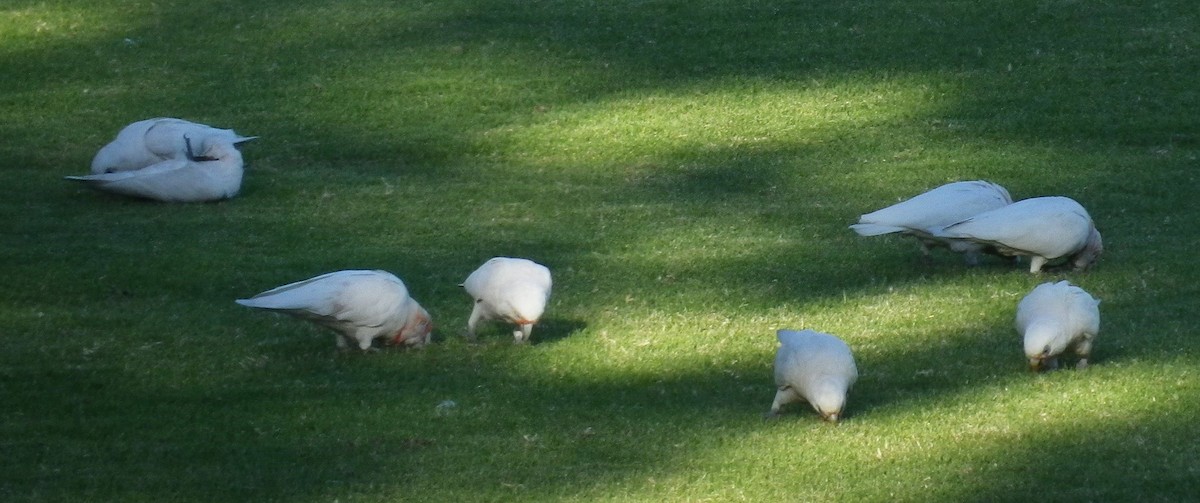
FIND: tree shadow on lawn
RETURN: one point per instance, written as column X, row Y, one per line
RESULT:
column 652, row 45
column 662, row 46
column 298, row 421
column 1078, row 462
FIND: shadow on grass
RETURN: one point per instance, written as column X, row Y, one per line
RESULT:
column 547, row 331
column 620, row 47
column 1007, row 472
column 552, row 329
column 301, row 422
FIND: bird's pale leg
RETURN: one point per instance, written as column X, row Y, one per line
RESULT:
column 1084, row 350
column 926, row 253
column 363, row 340
column 783, row 396
column 1052, row 364
column 522, row 336
column 1036, row 263
column 972, row 258
column 472, row 322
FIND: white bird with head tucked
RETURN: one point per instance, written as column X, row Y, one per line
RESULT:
column 359, row 305
column 1044, row 228
column 151, row 141
column 1055, row 317
column 511, row 289
column 814, row 367
column 213, row 175
column 936, row 208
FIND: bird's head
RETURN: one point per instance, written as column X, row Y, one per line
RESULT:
column 1090, row 254
column 1037, row 362
column 417, row 331
column 108, row 158
column 1043, row 343
column 829, row 398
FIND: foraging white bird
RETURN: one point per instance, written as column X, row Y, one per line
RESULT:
column 511, row 289
column 937, row 208
column 215, row 174
column 1044, row 228
column 359, row 305
column 152, row 141
column 814, row 367
column 1055, row 317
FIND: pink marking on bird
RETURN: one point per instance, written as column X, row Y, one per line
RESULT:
column 422, row 321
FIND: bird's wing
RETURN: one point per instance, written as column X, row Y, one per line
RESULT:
column 166, row 137
column 1085, row 311
column 939, row 207
column 1037, row 303
column 176, row 180
column 1047, row 230
column 361, row 298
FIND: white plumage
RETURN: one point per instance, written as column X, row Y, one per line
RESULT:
column 934, row 209
column 511, row 289
column 1055, row 317
column 814, row 367
column 152, row 141
column 1044, row 228
column 215, row 174
column 360, row 306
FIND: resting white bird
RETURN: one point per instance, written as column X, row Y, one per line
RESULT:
column 152, row 141
column 215, row 174
column 359, row 305
column 814, row 367
column 1044, row 228
column 1055, row 317
column 936, row 208
column 511, row 289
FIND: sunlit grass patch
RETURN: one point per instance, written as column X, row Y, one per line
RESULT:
column 766, row 114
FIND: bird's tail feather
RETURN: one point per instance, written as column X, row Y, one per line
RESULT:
column 875, row 229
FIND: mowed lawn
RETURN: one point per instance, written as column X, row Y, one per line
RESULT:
column 686, row 169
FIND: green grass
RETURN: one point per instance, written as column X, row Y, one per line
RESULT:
column 686, row 171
